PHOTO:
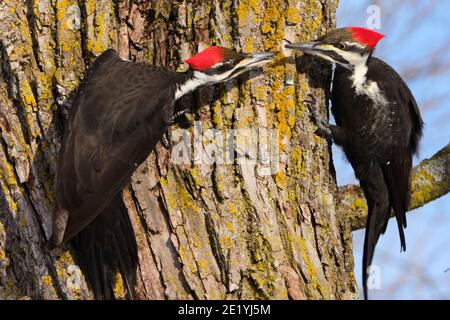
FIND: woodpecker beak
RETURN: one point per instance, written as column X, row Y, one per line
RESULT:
column 256, row 59
column 306, row 47
column 323, row 50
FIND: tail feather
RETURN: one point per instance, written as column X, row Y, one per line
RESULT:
column 386, row 187
column 376, row 192
column 104, row 248
column 375, row 226
column 398, row 178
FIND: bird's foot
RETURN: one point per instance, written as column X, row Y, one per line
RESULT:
column 323, row 128
column 165, row 140
column 178, row 114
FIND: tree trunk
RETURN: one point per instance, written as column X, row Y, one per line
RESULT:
column 263, row 226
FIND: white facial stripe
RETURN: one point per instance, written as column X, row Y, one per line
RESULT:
column 198, row 80
column 353, row 58
column 324, row 56
column 217, row 65
column 189, row 86
column 213, row 78
column 355, row 44
column 201, row 78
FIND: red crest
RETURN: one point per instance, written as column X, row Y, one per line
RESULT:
column 365, row 36
column 206, row 59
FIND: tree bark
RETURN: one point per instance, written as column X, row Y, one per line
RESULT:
column 220, row 231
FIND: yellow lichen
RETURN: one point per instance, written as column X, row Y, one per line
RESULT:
column 119, row 290
column 226, row 242
column 358, row 204
column 281, row 179
column 292, row 15
column 243, row 11
column 47, row 280
column 422, row 184
column 217, row 118
column 65, row 257
column 249, row 45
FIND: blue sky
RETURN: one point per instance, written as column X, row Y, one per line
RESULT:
column 415, row 30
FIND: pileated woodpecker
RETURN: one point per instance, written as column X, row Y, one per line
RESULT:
column 121, row 110
column 378, row 126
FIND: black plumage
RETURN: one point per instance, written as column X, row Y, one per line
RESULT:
column 104, row 248
column 121, row 110
column 379, row 136
column 378, row 125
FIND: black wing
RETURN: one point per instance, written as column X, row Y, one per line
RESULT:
column 104, row 248
column 381, row 150
column 401, row 140
column 120, row 112
column 407, row 111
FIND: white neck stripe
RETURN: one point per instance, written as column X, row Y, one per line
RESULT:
column 188, row 87
column 200, row 79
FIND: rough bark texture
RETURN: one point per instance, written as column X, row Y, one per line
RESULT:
column 430, row 181
column 203, row 231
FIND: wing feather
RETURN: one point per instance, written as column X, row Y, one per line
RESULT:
column 119, row 114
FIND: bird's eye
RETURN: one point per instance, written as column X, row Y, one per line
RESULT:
column 342, row 45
